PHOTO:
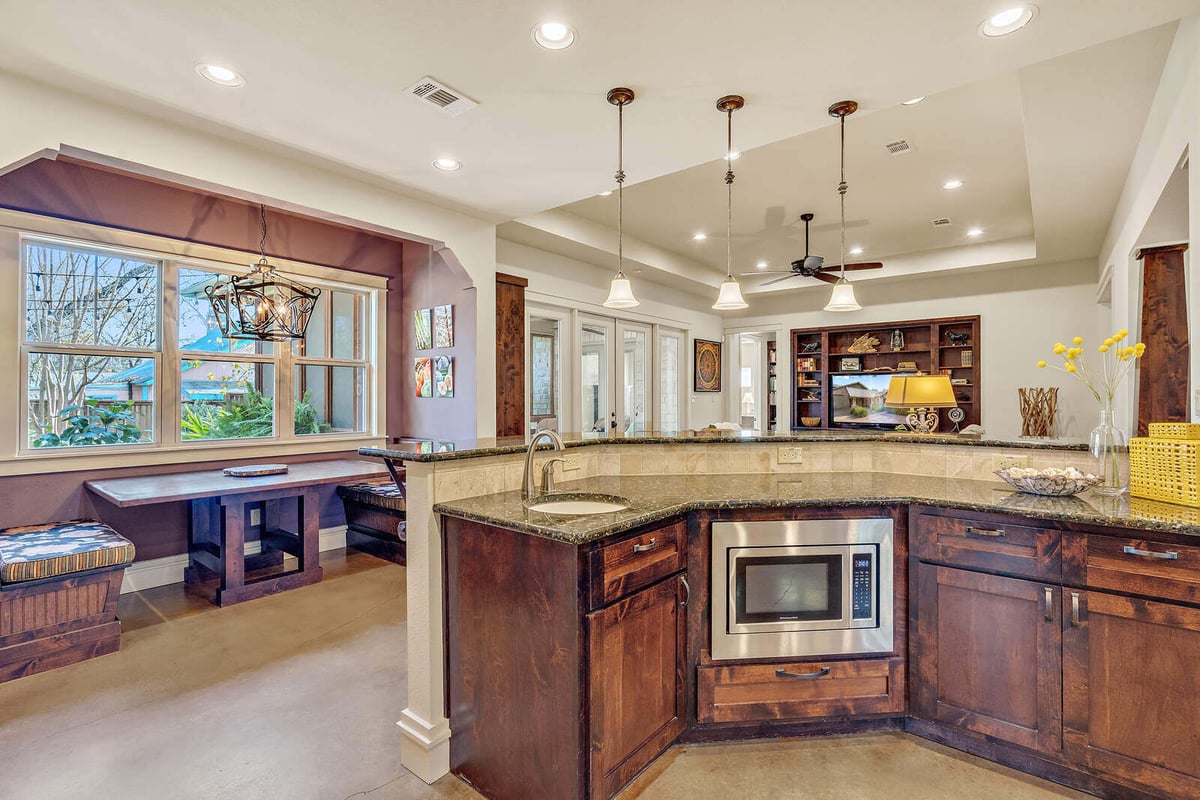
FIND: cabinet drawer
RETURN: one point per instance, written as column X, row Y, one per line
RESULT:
column 631, row 564
column 996, row 545
column 806, row 690
column 1133, row 566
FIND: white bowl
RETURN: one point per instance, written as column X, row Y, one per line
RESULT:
column 1049, row 482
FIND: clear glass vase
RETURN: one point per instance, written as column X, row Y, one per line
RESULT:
column 1108, row 446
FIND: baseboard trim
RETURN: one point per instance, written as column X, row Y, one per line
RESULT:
column 169, row 569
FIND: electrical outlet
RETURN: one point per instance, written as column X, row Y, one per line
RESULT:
column 571, row 463
column 791, row 455
column 1004, row 461
column 255, row 516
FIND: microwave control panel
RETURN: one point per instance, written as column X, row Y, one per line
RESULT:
column 860, row 586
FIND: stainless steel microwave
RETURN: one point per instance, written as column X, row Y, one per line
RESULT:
column 791, row 588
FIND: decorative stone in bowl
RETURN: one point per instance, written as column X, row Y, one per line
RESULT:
column 1049, row 482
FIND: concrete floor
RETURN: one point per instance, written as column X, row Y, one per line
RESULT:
column 295, row 697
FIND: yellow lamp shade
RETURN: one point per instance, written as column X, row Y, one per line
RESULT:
column 920, row 391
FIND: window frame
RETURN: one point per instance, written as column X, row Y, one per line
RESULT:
column 18, row 456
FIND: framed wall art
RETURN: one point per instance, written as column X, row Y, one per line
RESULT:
column 423, row 373
column 423, row 329
column 443, row 376
column 443, row 326
column 707, row 365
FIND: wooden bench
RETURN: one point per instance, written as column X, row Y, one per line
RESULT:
column 59, row 586
column 375, row 517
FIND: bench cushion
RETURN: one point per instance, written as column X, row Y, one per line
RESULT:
column 32, row 552
column 381, row 494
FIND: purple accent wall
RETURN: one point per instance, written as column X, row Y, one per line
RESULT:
column 434, row 278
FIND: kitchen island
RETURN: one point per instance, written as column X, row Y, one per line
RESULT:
column 578, row 646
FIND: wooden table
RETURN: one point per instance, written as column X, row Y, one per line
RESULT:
column 220, row 507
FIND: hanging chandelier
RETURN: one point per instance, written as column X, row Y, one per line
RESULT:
column 842, row 298
column 730, row 296
column 620, row 293
column 262, row 304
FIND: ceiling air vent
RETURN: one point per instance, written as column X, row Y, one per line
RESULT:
column 446, row 100
column 940, row 221
column 898, row 147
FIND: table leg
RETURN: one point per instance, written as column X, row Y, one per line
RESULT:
column 233, row 548
column 308, row 514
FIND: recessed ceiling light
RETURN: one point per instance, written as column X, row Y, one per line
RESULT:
column 856, row 251
column 913, row 101
column 1008, row 21
column 447, row 164
column 606, row 193
column 761, row 265
column 734, row 155
column 222, row 76
column 953, row 183
column 975, row 232
column 700, row 236
column 554, row 35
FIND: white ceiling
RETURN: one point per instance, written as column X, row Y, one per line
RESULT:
column 327, row 79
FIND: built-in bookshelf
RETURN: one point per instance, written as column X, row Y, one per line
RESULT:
column 948, row 345
column 772, row 384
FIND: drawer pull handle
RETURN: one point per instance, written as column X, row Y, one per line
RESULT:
column 995, row 534
column 1075, row 609
column 641, row 548
column 804, row 676
column 1169, row 555
column 1048, row 606
column 687, row 592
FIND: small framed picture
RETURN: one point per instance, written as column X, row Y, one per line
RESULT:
column 967, row 358
column 423, row 328
column 707, row 366
column 850, row 364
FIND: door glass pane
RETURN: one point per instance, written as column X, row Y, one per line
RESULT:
column 226, row 399
column 668, row 366
column 544, row 372
column 594, row 379
column 636, row 374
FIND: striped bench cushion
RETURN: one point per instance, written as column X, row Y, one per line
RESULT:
column 380, row 494
column 31, row 552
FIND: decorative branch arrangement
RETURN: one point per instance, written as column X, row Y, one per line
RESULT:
column 1038, row 408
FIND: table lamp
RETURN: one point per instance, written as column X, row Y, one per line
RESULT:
column 920, row 393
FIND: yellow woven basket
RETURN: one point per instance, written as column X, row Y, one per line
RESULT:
column 1165, row 469
column 1174, row 430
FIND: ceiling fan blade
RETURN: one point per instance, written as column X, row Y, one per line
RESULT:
column 784, row 278
column 851, row 267
column 758, row 272
column 821, row 276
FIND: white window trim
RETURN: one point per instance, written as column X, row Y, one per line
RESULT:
column 15, row 455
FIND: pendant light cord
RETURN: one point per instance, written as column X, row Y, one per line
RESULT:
column 842, row 193
column 729, row 196
column 620, row 176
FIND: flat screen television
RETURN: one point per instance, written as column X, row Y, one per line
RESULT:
column 856, row 401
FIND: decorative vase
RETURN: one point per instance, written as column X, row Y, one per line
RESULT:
column 1108, row 446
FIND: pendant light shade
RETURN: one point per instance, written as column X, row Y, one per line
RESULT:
column 620, row 293
column 730, row 297
column 842, row 298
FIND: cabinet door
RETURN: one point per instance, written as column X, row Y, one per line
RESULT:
column 636, row 680
column 988, row 655
column 1131, row 700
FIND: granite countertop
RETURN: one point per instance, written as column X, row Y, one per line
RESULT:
column 451, row 450
column 657, row 497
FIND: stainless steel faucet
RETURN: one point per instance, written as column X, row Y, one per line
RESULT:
column 527, row 487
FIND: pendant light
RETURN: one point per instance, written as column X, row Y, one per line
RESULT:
column 730, row 296
column 842, row 298
column 620, row 294
column 262, row 304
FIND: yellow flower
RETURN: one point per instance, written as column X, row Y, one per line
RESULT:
column 1139, row 349
column 1109, row 342
column 1042, row 364
column 1077, row 340
column 1104, row 347
column 1122, row 333
column 1059, row 348
column 1070, row 367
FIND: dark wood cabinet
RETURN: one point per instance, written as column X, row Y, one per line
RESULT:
column 988, row 655
column 1132, row 689
column 565, row 664
column 636, row 682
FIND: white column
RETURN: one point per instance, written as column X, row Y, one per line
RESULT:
column 425, row 750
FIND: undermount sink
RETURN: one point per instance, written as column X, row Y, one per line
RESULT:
column 578, row 504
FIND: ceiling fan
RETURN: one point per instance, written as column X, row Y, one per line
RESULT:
column 810, row 266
